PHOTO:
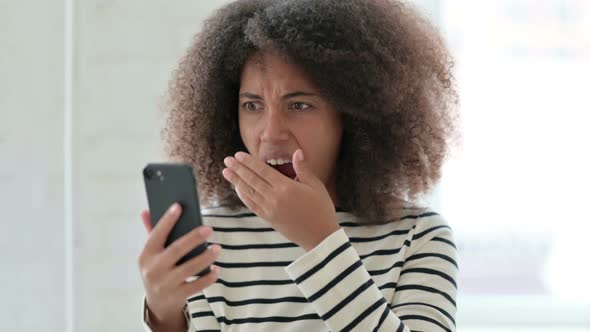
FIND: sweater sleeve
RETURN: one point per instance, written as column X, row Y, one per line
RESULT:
column 193, row 305
column 426, row 292
column 199, row 313
column 334, row 280
column 144, row 321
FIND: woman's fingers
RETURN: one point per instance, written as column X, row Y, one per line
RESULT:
column 196, row 264
column 146, row 219
column 164, row 282
column 158, row 235
column 182, row 246
column 193, row 287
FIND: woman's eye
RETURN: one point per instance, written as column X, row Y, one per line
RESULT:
column 300, row 106
column 249, row 106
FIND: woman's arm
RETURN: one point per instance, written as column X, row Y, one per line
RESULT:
column 426, row 292
column 338, row 285
column 150, row 324
column 197, row 309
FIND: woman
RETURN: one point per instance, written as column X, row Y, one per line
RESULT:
column 314, row 128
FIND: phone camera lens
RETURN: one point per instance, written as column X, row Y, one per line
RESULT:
column 148, row 173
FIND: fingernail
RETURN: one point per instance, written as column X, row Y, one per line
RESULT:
column 173, row 208
column 205, row 231
column 228, row 161
column 240, row 156
column 300, row 156
column 215, row 249
column 226, row 174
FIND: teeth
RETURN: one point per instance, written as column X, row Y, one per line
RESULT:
column 277, row 161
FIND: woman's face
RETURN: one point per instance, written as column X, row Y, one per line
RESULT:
column 281, row 110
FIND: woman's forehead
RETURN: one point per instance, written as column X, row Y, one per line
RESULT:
column 264, row 61
column 265, row 68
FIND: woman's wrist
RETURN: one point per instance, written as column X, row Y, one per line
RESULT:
column 321, row 236
column 176, row 323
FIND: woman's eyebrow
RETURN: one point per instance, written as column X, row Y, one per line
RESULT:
column 287, row 96
column 298, row 94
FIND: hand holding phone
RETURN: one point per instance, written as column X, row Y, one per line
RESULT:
column 169, row 183
column 169, row 258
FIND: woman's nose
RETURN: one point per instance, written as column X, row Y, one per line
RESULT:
column 275, row 128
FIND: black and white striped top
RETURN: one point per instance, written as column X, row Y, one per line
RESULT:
column 400, row 276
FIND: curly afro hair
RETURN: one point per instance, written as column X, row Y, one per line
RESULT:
column 384, row 67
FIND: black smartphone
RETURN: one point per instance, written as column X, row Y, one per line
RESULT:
column 166, row 183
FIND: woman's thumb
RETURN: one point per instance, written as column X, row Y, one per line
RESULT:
column 145, row 218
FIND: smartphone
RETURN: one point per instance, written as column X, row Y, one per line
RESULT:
column 166, row 183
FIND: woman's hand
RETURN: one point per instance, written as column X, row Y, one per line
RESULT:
column 300, row 210
column 164, row 282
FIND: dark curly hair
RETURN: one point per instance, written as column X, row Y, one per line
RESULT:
column 383, row 66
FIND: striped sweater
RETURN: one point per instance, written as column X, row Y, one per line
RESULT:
column 400, row 276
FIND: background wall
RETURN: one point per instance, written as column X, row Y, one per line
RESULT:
column 31, row 166
column 124, row 52
column 122, row 55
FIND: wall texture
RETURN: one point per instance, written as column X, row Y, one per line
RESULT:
column 123, row 54
column 31, row 166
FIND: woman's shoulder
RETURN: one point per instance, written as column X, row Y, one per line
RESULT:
column 425, row 220
column 430, row 221
column 432, row 229
column 419, row 223
column 424, row 217
column 417, row 216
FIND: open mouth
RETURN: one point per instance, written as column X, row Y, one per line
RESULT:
column 286, row 169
